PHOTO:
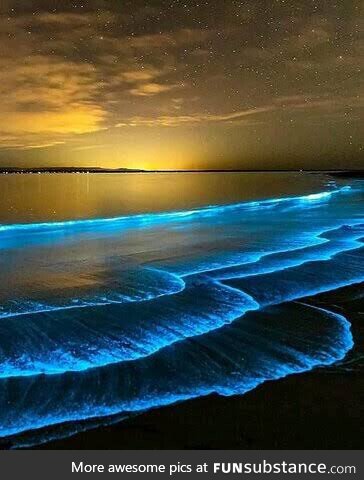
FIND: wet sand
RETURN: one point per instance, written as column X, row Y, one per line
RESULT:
column 320, row 409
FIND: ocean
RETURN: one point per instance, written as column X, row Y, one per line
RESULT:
column 122, row 293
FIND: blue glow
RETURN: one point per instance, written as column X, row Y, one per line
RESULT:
column 225, row 361
column 318, row 196
column 158, row 308
column 323, row 247
column 94, row 336
column 151, row 284
column 309, row 278
column 153, row 218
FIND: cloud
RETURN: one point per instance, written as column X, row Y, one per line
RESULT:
column 68, row 73
column 149, row 89
column 199, row 118
column 45, row 98
column 280, row 105
column 42, row 145
column 141, row 75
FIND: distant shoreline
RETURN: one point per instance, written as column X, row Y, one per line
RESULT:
column 88, row 170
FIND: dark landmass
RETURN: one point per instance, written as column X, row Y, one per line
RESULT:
column 319, row 409
column 19, row 170
column 47, row 170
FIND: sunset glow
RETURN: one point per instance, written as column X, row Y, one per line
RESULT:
column 175, row 85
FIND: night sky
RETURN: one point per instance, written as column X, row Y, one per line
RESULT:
column 182, row 84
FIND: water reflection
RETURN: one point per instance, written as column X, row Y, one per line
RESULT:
column 39, row 198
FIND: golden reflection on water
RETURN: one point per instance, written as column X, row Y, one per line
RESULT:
column 44, row 197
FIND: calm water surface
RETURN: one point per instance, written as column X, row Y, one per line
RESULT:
column 45, row 197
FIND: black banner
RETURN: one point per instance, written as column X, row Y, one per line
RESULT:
column 56, row 465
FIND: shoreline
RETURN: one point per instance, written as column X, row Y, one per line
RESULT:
column 299, row 411
column 96, row 170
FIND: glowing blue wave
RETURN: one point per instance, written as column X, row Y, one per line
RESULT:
column 323, row 247
column 129, row 286
column 153, row 309
column 156, row 218
column 95, row 336
column 98, row 335
column 260, row 346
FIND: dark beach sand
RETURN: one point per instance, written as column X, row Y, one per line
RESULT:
column 321, row 409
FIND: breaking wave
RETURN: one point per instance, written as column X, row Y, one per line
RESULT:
column 115, row 316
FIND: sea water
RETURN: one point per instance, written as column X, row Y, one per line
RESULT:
column 113, row 305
